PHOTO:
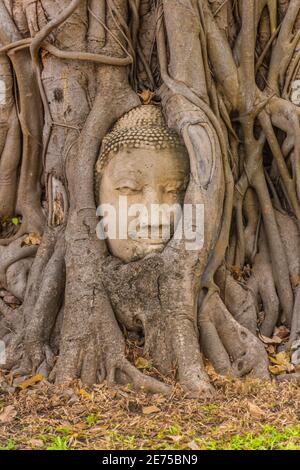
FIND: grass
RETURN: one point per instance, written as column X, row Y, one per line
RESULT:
column 9, row 445
column 270, row 438
column 245, row 415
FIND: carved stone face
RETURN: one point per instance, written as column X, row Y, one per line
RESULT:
column 147, row 177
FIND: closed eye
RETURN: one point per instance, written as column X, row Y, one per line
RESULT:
column 175, row 190
column 126, row 190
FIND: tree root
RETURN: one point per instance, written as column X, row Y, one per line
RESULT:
column 43, row 317
column 238, row 299
column 232, row 349
column 262, row 285
column 11, row 254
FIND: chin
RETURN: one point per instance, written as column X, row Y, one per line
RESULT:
column 137, row 250
column 145, row 249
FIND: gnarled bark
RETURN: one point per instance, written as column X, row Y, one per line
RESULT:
column 70, row 71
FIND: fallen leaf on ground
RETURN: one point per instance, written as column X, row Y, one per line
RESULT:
column 33, row 239
column 277, row 370
column 142, row 363
column 271, row 350
column 255, row 410
column 149, row 410
column 281, row 359
column 175, row 438
column 84, row 394
column 282, row 332
column 8, row 414
column 36, row 443
column 266, row 340
column 193, row 446
column 31, row 381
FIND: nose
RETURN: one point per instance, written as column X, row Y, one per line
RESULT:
column 153, row 196
column 155, row 222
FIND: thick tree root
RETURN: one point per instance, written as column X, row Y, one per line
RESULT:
column 232, row 349
column 238, row 299
column 44, row 291
column 263, row 288
column 11, row 254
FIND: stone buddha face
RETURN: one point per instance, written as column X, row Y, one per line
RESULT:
column 149, row 177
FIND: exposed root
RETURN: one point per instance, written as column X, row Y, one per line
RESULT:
column 11, row 254
column 262, row 285
column 230, row 347
column 17, row 277
column 42, row 319
column 238, row 299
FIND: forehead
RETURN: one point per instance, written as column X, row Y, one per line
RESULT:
column 145, row 161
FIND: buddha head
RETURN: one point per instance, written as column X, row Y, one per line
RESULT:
column 142, row 164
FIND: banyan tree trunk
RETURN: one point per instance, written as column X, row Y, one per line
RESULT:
column 226, row 76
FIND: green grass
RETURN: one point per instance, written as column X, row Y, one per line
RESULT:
column 91, row 419
column 269, row 438
column 10, row 445
column 58, row 443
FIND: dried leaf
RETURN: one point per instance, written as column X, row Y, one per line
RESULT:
column 84, row 394
column 282, row 332
column 146, row 96
column 255, row 410
column 277, row 370
column 281, row 359
column 36, row 443
column 8, row 414
column 193, row 446
column 266, row 340
column 142, row 363
column 33, row 239
column 31, row 381
column 294, row 280
column 176, row 438
column 149, row 410
column 271, row 350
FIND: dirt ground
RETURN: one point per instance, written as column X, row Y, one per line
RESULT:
column 244, row 415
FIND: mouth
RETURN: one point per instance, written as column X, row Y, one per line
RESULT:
column 156, row 244
column 149, row 241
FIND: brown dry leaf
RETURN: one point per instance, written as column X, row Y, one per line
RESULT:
column 193, row 446
column 31, row 381
column 36, row 443
column 255, row 410
column 33, row 239
column 213, row 375
column 8, row 414
column 149, row 410
column 175, row 438
column 142, row 363
column 271, row 350
column 84, row 394
column 282, row 332
column 294, row 280
column 266, row 340
column 146, row 96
